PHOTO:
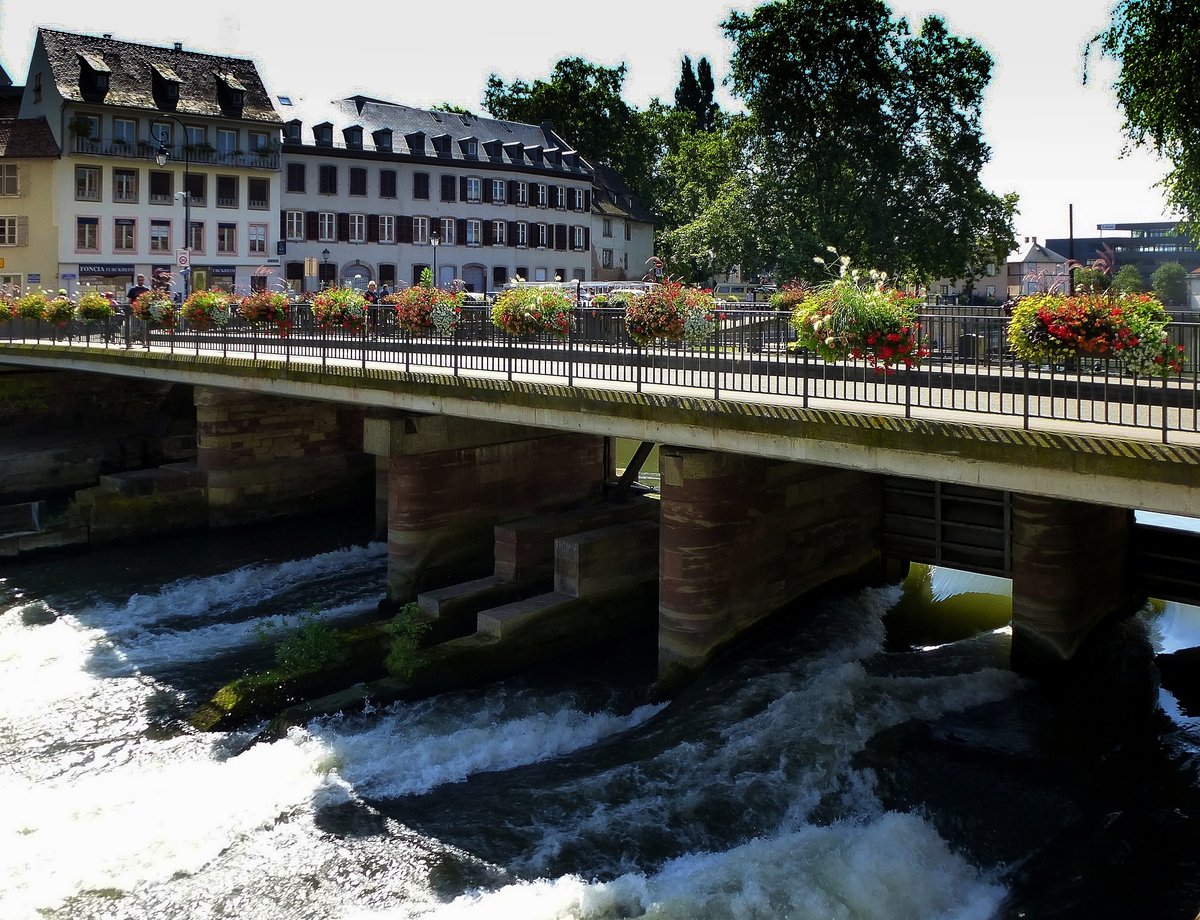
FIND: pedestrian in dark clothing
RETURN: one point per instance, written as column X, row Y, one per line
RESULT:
column 137, row 290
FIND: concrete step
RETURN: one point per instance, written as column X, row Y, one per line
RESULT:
column 502, row 622
column 525, row 548
column 607, row 559
column 149, row 482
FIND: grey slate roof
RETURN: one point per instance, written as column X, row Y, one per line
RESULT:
column 131, row 66
column 27, row 137
column 611, row 196
column 372, row 115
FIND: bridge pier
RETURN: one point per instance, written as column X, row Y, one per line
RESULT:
column 450, row 481
column 743, row 536
column 1070, row 574
column 267, row 456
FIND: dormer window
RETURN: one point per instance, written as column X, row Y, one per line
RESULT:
column 416, row 142
column 470, row 147
column 515, row 151
column 294, row 128
column 441, row 144
column 534, row 155
column 492, row 148
column 354, row 137
column 93, row 76
column 382, row 139
column 166, row 86
column 552, row 156
column 323, row 134
column 230, row 94
column 570, row 159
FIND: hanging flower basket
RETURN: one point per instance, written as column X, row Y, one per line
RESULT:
column 523, row 311
column 788, row 297
column 206, row 309
column 267, row 308
column 156, row 309
column 422, row 309
column 8, row 309
column 94, row 308
column 340, row 308
column 1132, row 328
column 859, row 318
column 673, row 313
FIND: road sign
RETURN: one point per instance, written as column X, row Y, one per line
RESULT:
column 32, row 277
column 183, row 258
column 67, row 276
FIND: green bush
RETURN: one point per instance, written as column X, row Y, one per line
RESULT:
column 407, row 630
column 312, row 646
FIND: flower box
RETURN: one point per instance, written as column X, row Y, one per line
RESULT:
column 423, row 308
column 340, row 308
column 156, row 309
column 671, row 312
column 1131, row 328
column 94, row 308
column 267, row 308
column 522, row 311
column 859, row 318
column 205, row 309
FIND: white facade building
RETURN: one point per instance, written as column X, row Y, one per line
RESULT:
column 113, row 107
column 369, row 185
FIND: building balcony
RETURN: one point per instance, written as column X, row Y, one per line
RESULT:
column 195, row 155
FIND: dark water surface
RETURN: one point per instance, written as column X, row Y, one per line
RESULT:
column 809, row 775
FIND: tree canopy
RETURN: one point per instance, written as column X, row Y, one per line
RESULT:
column 694, row 94
column 1170, row 283
column 1157, row 44
column 869, row 138
column 583, row 103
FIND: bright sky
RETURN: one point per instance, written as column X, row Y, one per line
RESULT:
column 1053, row 140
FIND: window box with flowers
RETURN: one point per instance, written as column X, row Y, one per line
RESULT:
column 267, row 308
column 340, row 308
column 156, row 309
column 1131, row 328
column 424, row 308
column 671, row 312
column 32, row 305
column 523, row 310
column 856, row 317
column 205, row 309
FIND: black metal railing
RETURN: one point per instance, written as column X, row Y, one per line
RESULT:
column 196, row 153
column 969, row 369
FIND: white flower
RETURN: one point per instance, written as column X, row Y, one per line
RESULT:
column 831, row 249
column 818, row 260
column 830, row 340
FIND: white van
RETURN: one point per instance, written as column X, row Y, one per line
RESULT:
column 742, row 292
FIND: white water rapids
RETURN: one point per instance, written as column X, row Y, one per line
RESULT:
column 515, row 801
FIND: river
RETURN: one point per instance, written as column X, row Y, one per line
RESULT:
column 569, row 793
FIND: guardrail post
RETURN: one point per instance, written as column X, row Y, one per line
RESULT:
column 907, row 393
column 1025, row 389
column 363, row 344
column 639, row 368
column 454, row 344
column 1164, row 407
column 804, row 377
column 324, row 347
column 571, row 341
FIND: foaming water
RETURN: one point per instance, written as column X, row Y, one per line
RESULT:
column 739, row 800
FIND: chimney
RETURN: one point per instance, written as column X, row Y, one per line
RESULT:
column 1026, row 239
column 1035, row 241
column 179, row 46
column 107, row 35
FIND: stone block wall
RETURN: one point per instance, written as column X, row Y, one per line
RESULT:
column 743, row 536
column 266, row 456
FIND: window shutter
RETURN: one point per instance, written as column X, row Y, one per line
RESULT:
column 343, row 227
column 587, row 199
column 487, row 233
column 587, row 238
column 460, row 228
column 512, row 191
column 372, row 228
column 404, row 228
column 560, row 236
column 282, row 224
column 512, row 233
column 22, row 231
column 487, row 191
column 447, row 188
column 462, row 187
column 310, row 225
column 551, row 195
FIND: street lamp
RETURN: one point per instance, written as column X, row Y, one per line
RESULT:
column 434, row 239
column 161, row 157
column 325, row 263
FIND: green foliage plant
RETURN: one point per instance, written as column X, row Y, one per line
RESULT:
column 340, row 308
column 312, row 646
column 425, row 308
column 94, row 308
column 1128, row 280
column 1169, row 282
column 267, row 308
column 156, row 308
column 59, row 310
column 32, row 305
column 407, row 630
column 205, row 309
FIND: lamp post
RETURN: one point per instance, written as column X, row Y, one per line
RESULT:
column 434, row 240
column 325, row 264
column 161, row 157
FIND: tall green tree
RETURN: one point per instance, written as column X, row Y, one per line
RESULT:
column 708, row 110
column 583, row 103
column 868, row 138
column 1157, row 44
column 687, row 93
column 1169, row 282
column 1128, row 280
